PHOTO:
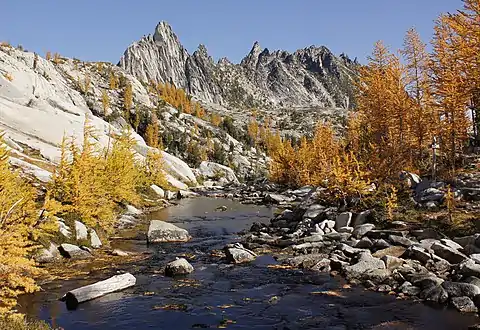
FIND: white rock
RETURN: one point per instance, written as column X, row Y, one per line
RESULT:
column 81, row 232
column 132, row 210
column 216, row 171
column 95, row 241
column 159, row 191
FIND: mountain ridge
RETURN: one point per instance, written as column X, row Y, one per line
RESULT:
column 312, row 76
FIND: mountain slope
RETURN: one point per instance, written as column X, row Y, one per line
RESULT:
column 311, row 76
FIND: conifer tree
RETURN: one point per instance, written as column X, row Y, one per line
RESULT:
column 105, row 102
column 152, row 132
column 18, row 226
column 450, row 89
column 128, row 97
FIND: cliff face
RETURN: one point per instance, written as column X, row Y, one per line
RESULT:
column 309, row 76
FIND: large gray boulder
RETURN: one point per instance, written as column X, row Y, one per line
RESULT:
column 46, row 255
column 366, row 262
column 237, row 254
column 161, row 231
column 362, row 230
column 448, row 253
column 216, row 172
column 464, row 305
column 178, row 267
column 73, row 252
column 460, row 289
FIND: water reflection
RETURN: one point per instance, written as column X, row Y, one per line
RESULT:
column 236, row 297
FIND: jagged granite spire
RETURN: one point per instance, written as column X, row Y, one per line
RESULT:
column 309, row 76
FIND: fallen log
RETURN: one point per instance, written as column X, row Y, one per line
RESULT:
column 116, row 283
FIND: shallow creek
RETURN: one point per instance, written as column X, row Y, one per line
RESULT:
column 218, row 295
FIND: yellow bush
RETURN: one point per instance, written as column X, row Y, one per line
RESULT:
column 19, row 225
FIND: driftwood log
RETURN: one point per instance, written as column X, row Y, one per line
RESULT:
column 116, row 283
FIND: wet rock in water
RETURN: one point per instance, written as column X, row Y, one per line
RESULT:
column 237, row 254
column 464, row 304
column 178, row 267
column 460, row 289
column 394, row 251
column 448, row 253
column 277, row 198
column 307, row 261
column 343, row 220
column 434, row 293
column 365, row 262
column 81, row 232
column 222, row 208
column 120, row 253
column 73, row 252
column 399, row 240
column 425, row 280
column 409, row 289
column 169, row 195
column 362, row 230
column 95, row 241
column 161, row 231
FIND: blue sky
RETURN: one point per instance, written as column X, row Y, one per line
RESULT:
column 102, row 29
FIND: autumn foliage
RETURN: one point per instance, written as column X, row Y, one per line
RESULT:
column 403, row 102
column 89, row 182
column 19, row 228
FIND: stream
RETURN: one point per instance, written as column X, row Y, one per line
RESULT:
column 219, row 295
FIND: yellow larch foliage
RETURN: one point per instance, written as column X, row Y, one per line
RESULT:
column 321, row 161
column 386, row 111
column 391, row 202
column 19, row 224
column 113, row 81
column 121, row 170
column 56, row 58
column 179, row 99
column 423, row 120
column 48, row 56
column 215, row 119
column 128, row 97
column 105, row 101
column 450, row 88
column 152, row 131
column 154, row 171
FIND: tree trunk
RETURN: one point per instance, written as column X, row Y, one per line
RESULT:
column 116, row 283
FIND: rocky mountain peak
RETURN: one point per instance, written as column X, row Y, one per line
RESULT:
column 251, row 59
column 312, row 76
